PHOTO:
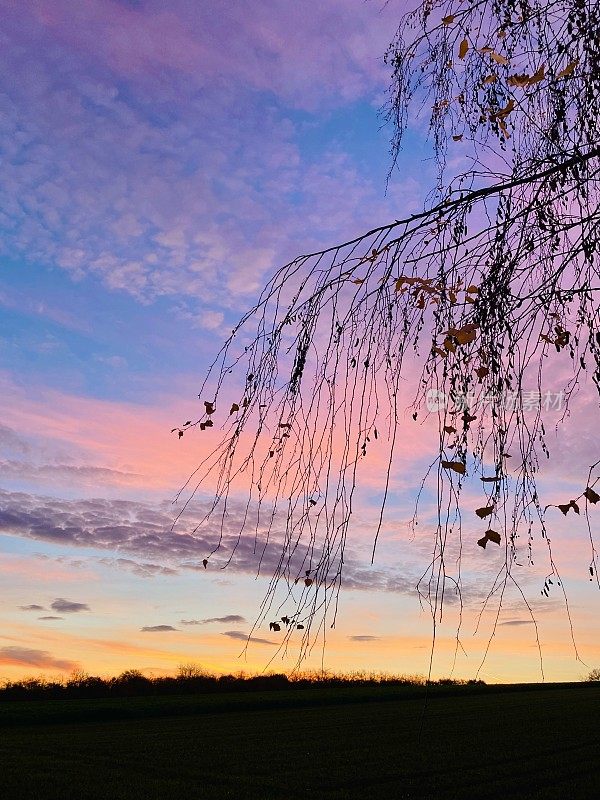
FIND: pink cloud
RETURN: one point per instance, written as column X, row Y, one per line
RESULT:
column 14, row 655
column 39, row 570
column 304, row 53
column 86, row 441
column 141, row 153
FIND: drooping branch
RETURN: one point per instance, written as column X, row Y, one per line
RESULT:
column 464, row 302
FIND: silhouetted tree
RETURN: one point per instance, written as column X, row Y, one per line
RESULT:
column 472, row 301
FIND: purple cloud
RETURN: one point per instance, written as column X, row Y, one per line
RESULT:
column 157, row 628
column 243, row 637
column 66, row 474
column 228, row 619
column 303, row 53
column 11, row 441
column 68, row 606
column 364, row 638
column 142, row 569
column 132, row 84
column 129, row 527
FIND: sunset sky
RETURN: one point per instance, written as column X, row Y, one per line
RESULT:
column 158, row 161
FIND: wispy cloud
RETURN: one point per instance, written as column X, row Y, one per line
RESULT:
column 66, row 473
column 68, row 606
column 243, row 637
column 230, row 618
column 141, row 568
column 364, row 638
column 11, row 441
column 306, row 54
column 32, row 607
column 63, row 453
column 157, row 628
column 25, row 656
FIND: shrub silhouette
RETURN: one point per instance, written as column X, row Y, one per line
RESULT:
column 593, row 675
column 194, row 679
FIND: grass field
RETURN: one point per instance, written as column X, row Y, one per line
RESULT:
column 363, row 742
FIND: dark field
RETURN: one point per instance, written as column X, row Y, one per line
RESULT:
column 352, row 742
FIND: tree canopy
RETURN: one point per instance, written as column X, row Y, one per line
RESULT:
column 471, row 303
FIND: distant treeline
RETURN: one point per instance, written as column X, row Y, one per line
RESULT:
column 194, row 680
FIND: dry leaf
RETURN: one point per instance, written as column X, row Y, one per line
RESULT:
column 489, row 536
column 469, row 328
column 504, row 112
column 591, row 495
column 498, row 58
column 484, row 512
column 465, row 337
column 456, row 466
column 449, row 345
column 234, row 408
column 449, row 19
column 463, row 49
column 490, row 79
column 458, row 138
column 520, row 81
column 568, row 70
column 403, row 279
column 538, row 75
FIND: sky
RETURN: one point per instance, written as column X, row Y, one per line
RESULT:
column 159, row 161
